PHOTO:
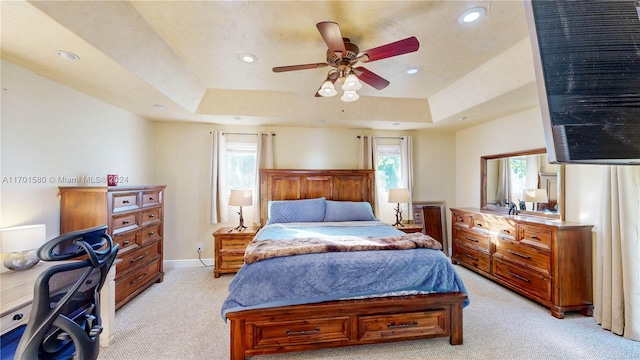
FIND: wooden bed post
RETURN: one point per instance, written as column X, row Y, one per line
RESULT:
column 456, row 324
column 237, row 340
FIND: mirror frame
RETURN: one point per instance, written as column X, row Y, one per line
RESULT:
column 483, row 186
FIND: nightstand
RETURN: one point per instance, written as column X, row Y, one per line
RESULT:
column 228, row 247
column 409, row 228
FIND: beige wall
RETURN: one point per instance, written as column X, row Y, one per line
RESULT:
column 51, row 131
column 182, row 163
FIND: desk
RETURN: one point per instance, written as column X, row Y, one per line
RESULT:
column 17, row 295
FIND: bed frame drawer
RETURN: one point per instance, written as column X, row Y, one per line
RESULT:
column 299, row 332
column 402, row 326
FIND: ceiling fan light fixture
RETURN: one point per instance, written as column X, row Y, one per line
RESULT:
column 327, row 89
column 471, row 15
column 350, row 96
column 351, row 83
column 249, row 58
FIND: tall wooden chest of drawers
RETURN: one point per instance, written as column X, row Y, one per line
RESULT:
column 545, row 260
column 135, row 216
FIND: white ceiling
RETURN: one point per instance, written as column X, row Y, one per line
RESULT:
column 186, row 56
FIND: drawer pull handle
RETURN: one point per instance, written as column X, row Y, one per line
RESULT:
column 534, row 236
column 125, row 243
column 125, row 201
column 303, row 332
column 470, row 239
column 506, row 231
column 138, row 279
column 150, row 233
column 479, row 225
column 151, row 198
column 471, row 257
column 518, row 254
column 151, row 216
column 394, row 326
column 125, row 222
column 17, row 317
column 138, row 258
column 519, row 277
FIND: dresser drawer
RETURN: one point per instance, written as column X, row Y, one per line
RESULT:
column 151, row 198
column 404, row 325
column 15, row 318
column 474, row 239
column 134, row 259
column 533, row 283
column 461, row 219
column 127, row 285
column 231, row 262
column 128, row 241
column 125, row 222
column 124, row 201
column 525, row 256
column 299, row 332
column 535, row 236
column 150, row 234
column 151, row 216
column 473, row 258
column 234, row 243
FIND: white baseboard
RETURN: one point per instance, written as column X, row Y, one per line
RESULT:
column 170, row 264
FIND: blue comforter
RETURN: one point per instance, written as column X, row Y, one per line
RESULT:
column 312, row 278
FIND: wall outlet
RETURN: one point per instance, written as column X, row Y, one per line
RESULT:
column 199, row 247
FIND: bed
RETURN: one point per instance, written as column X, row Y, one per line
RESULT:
column 397, row 287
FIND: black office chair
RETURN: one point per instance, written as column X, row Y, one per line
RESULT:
column 65, row 318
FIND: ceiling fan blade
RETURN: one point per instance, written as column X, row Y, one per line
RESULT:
column 298, row 67
column 392, row 49
column 332, row 36
column 370, row 78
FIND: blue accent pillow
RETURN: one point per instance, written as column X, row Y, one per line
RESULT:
column 286, row 211
column 348, row 211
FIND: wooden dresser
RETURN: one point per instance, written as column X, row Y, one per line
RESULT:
column 545, row 260
column 228, row 248
column 135, row 216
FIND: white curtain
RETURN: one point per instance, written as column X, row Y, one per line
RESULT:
column 264, row 160
column 406, row 156
column 504, row 180
column 367, row 160
column 617, row 293
column 218, row 179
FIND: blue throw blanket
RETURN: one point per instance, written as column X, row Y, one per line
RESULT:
column 313, row 278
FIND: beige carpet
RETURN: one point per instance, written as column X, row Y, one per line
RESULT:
column 180, row 319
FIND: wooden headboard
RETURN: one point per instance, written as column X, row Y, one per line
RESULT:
column 341, row 185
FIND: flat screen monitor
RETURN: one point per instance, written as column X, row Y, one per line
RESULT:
column 587, row 59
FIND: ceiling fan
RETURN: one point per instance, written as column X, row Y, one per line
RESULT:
column 343, row 55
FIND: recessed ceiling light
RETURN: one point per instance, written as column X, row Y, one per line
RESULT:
column 462, row 118
column 67, row 55
column 158, row 106
column 395, row 123
column 471, row 15
column 237, row 118
column 249, row 58
column 412, row 71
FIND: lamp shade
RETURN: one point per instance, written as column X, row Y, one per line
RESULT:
column 400, row 195
column 351, row 83
column 535, row 195
column 22, row 238
column 327, row 89
column 349, row 96
column 240, row 197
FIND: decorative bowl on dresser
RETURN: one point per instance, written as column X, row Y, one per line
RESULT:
column 135, row 216
column 229, row 245
column 548, row 261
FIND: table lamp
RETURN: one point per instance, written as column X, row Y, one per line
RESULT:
column 240, row 198
column 535, row 196
column 20, row 244
column 400, row 195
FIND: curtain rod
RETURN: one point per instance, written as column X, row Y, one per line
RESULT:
column 385, row 137
column 233, row 133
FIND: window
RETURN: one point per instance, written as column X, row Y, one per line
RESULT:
column 518, row 177
column 241, row 165
column 388, row 167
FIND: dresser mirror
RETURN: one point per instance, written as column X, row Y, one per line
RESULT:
column 525, row 179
